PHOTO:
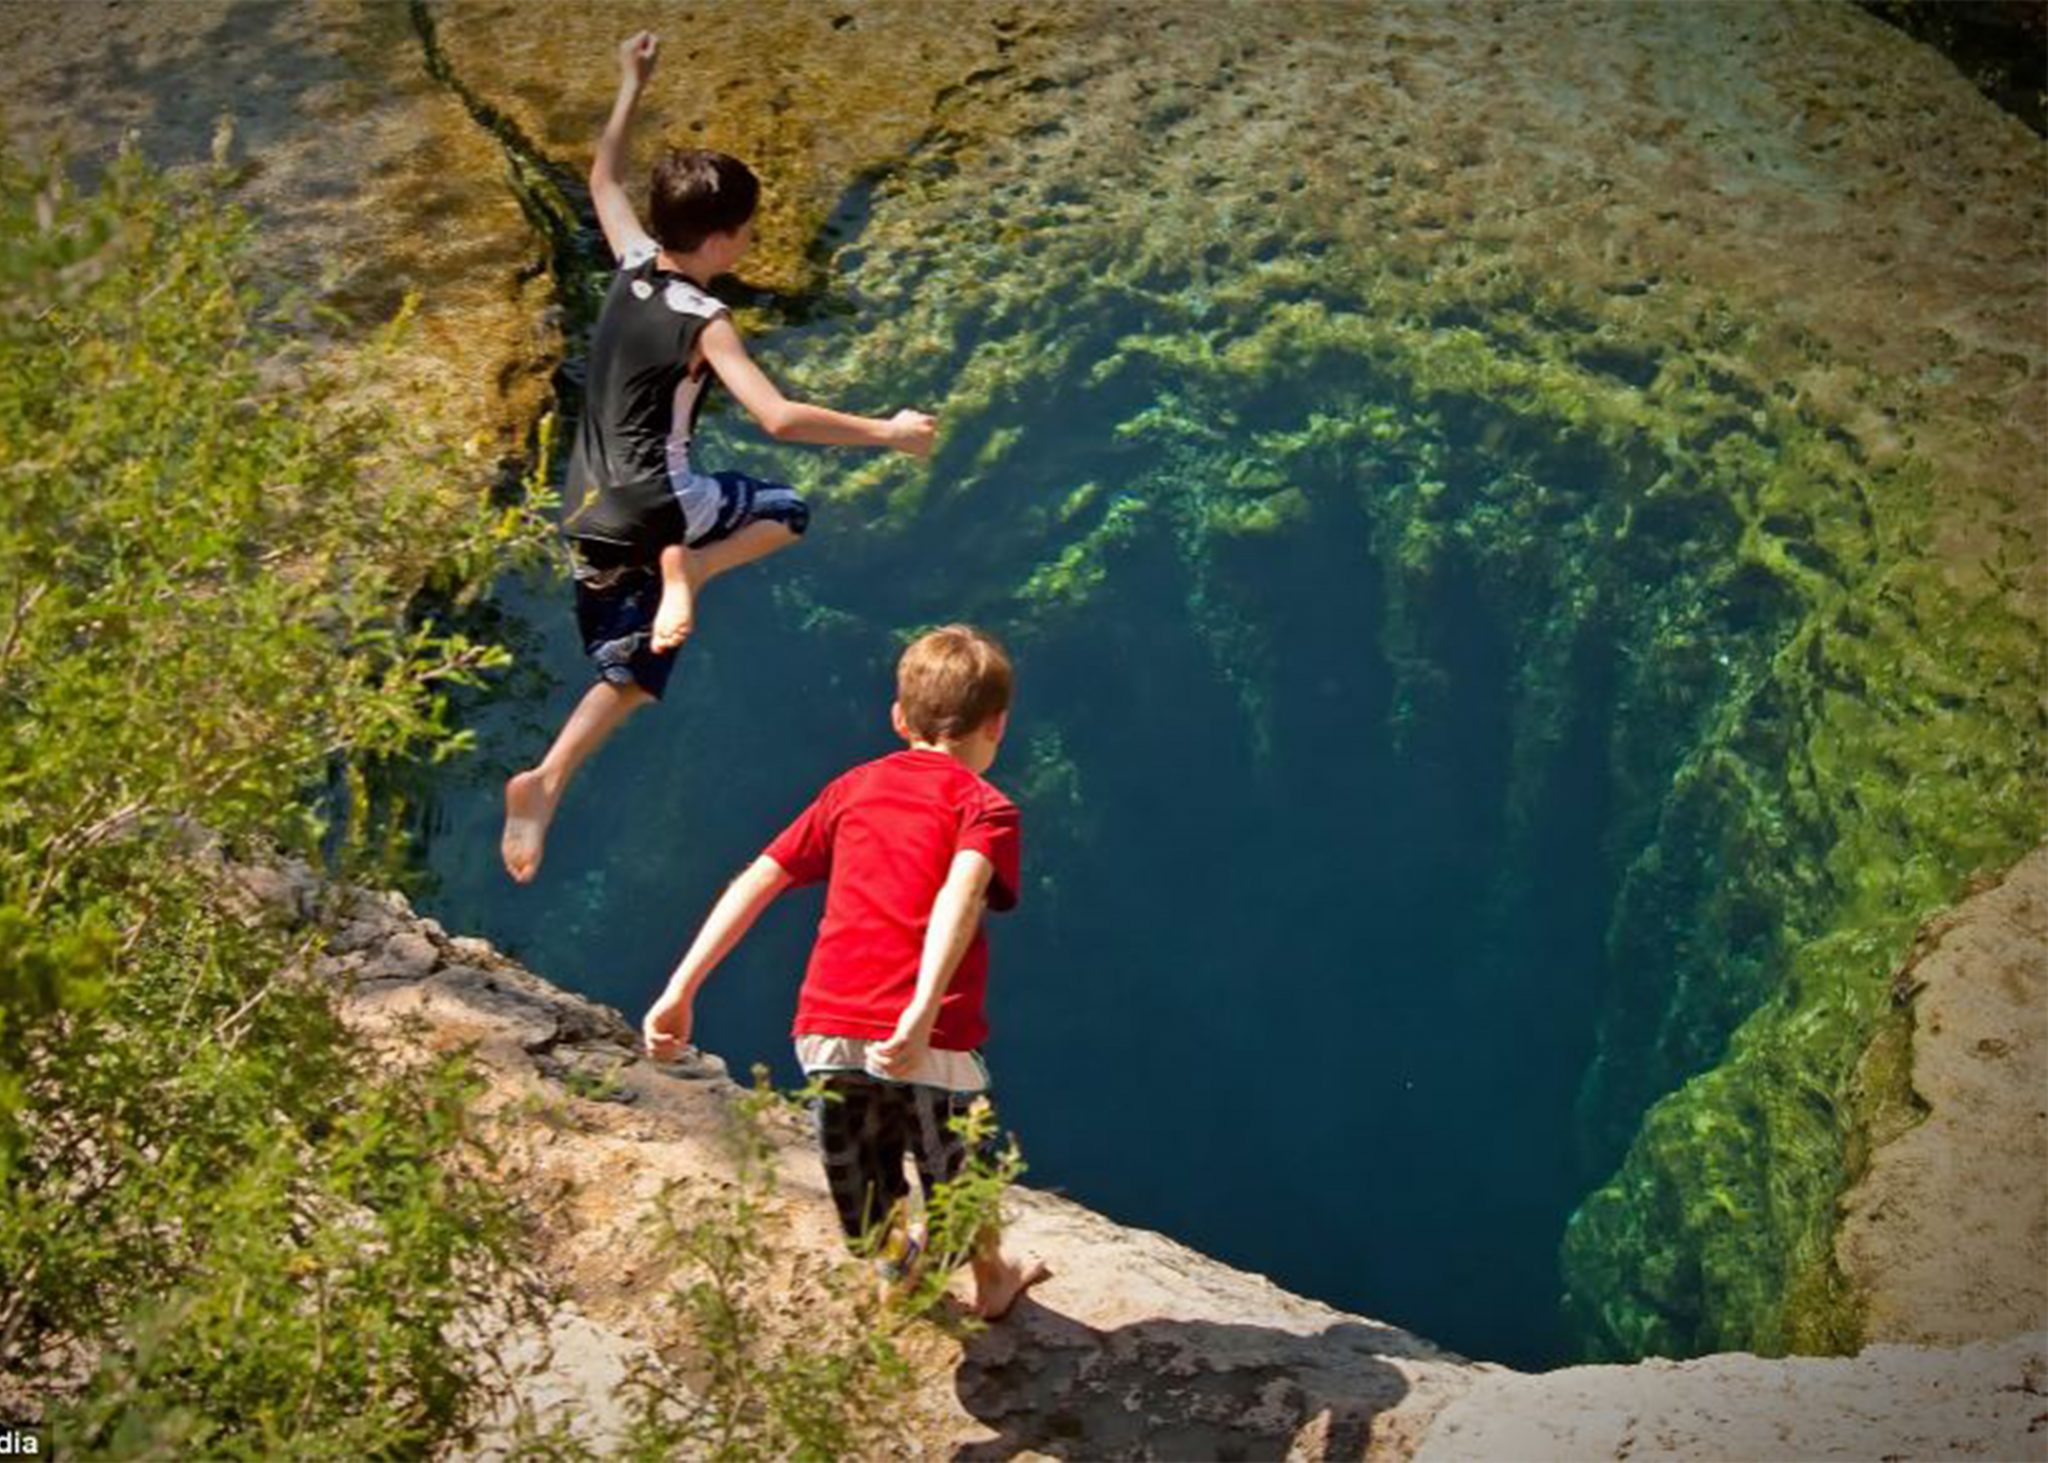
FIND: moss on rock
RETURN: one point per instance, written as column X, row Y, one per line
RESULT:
column 1823, row 715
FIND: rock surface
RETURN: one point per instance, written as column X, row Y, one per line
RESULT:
column 1137, row 1348
column 1892, row 1402
column 1946, row 1235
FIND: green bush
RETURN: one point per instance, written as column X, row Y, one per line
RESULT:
column 769, row 1375
column 224, row 1226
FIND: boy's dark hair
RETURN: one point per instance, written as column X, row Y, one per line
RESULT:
column 950, row 681
column 695, row 193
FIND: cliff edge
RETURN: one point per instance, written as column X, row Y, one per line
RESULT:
column 1946, row 1236
column 1137, row 1348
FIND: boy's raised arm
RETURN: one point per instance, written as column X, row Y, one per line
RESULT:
column 607, row 194
column 796, row 421
column 956, row 912
column 667, row 1026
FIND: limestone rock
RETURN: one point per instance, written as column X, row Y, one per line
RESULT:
column 1946, row 1236
column 1984, row 1401
column 405, row 955
column 270, row 888
column 1138, row 1347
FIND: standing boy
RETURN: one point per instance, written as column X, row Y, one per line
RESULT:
column 890, row 1017
column 647, row 528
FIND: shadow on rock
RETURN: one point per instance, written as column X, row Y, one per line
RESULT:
column 1177, row 1389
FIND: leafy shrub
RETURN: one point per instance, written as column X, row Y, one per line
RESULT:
column 770, row 1375
column 224, row 1226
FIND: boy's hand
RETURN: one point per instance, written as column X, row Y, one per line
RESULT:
column 912, row 432
column 636, row 56
column 667, row 1027
column 900, row 1054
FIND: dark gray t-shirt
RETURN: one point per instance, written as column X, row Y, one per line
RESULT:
column 639, row 409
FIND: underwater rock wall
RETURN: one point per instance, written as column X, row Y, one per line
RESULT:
column 371, row 181
column 1693, row 352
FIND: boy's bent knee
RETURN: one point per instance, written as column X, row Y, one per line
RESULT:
column 751, row 500
column 626, row 691
column 795, row 517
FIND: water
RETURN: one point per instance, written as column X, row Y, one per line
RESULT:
column 1358, row 642
column 1269, row 989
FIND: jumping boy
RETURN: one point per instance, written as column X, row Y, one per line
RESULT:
column 647, row 529
column 890, row 1015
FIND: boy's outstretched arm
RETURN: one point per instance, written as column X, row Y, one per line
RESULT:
column 956, row 913
column 667, row 1026
column 796, row 421
column 607, row 194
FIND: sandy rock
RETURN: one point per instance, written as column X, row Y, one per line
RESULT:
column 382, row 903
column 338, row 969
column 1892, row 1402
column 271, row 889
column 358, row 936
column 405, row 955
column 473, row 950
column 1138, row 1347
column 478, row 1000
column 1946, row 1236
column 570, row 1370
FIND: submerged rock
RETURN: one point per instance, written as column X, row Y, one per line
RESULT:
column 370, row 179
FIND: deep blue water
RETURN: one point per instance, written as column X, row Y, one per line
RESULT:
column 1308, row 1007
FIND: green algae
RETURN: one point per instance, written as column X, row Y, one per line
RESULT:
column 1817, row 734
column 1082, row 566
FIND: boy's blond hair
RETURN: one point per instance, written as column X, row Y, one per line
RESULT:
column 951, row 681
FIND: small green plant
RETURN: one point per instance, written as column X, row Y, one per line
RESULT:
column 962, row 1212
column 593, row 1086
column 817, row 1371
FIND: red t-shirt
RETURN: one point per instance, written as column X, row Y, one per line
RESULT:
column 885, row 834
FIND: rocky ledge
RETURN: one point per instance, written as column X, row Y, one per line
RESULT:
column 1137, row 1348
column 1946, row 1234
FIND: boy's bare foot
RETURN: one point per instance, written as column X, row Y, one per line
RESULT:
column 528, row 810
column 1000, row 1286
column 676, row 616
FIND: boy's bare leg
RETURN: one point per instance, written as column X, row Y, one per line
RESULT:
column 532, row 796
column 685, row 571
column 756, row 541
column 999, row 1281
